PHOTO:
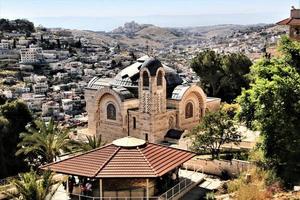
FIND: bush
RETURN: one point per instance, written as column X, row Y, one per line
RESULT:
column 210, row 196
column 256, row 184
column 231, row 109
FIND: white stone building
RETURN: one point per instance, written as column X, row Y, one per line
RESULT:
column 32, row 55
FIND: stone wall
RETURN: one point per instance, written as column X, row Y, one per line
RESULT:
column 213, row 104
column 217, row 167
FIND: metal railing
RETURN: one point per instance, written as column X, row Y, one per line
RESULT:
column 181, row 187
column 85, row 197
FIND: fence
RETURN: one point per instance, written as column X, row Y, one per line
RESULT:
column 177, row 189
column 64, row 195
column 183, row 186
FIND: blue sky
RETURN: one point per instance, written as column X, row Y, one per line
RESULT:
column 107, row 14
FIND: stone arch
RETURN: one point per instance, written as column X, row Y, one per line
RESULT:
column 160, row 74
column 189, row 110
column 199, row 93
column 102, row 93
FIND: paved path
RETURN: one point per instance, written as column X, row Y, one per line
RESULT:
column 60, row 194
column 195, row 176
column 197, row 193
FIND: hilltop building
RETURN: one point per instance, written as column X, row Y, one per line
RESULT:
column 32, row 55
column 146, row 100
column 294, row 24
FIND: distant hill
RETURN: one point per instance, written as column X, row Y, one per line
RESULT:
column 133, row 34
column 130, row 28
column 222, row 30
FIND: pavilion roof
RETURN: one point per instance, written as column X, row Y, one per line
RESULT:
column 112, row 161
column 289, row 21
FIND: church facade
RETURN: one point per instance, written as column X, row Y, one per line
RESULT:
column 146, row 100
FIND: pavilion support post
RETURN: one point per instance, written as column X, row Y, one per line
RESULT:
column 100, row 189
column 147, row 189
column 67, row 186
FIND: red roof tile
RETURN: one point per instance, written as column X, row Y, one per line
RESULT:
column 289, row 21
column 149, row 160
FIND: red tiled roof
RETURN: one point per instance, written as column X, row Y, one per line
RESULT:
column 289, row 21
column 149, row 160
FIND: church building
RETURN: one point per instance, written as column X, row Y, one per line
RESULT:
column 146, row 100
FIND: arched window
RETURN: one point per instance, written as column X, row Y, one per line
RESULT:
column 159, row 78
column 145, row 79
column 111, row 112
column 189, row 110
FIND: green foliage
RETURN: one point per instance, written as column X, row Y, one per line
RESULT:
column 272, row 106
column 44, row 142
column 20, row 25
column 210, row 196
column 215, row 130
column 291, row 51
column 14, row 116
column 231, row 109
column 93, row 142
column 222, row 75
column 33, row 187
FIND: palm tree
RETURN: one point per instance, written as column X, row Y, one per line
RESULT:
column 92, row 142
column 45, row 141
column 33, row 187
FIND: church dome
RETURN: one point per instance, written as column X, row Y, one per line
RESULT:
column 152, row 65
column 129, row 76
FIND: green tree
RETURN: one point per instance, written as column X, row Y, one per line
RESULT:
column 45, row 141
column 222, row 75
column 14, row 116
column 272, row 106
column 215, row 130
column 3, row 160
column 92, row 142
column 33, row 187
column 20, row 25
column 290, row 50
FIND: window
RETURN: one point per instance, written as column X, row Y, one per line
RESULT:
column 189, row 110
column 111, row 112
column 146, row 136
column 145, row 79
column 159, row 78
column 134, row 123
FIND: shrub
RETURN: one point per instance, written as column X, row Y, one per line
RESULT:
column 256, row 184
column 210, row 196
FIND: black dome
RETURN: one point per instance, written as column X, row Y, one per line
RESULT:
column 152, row 65
column 129, row 76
